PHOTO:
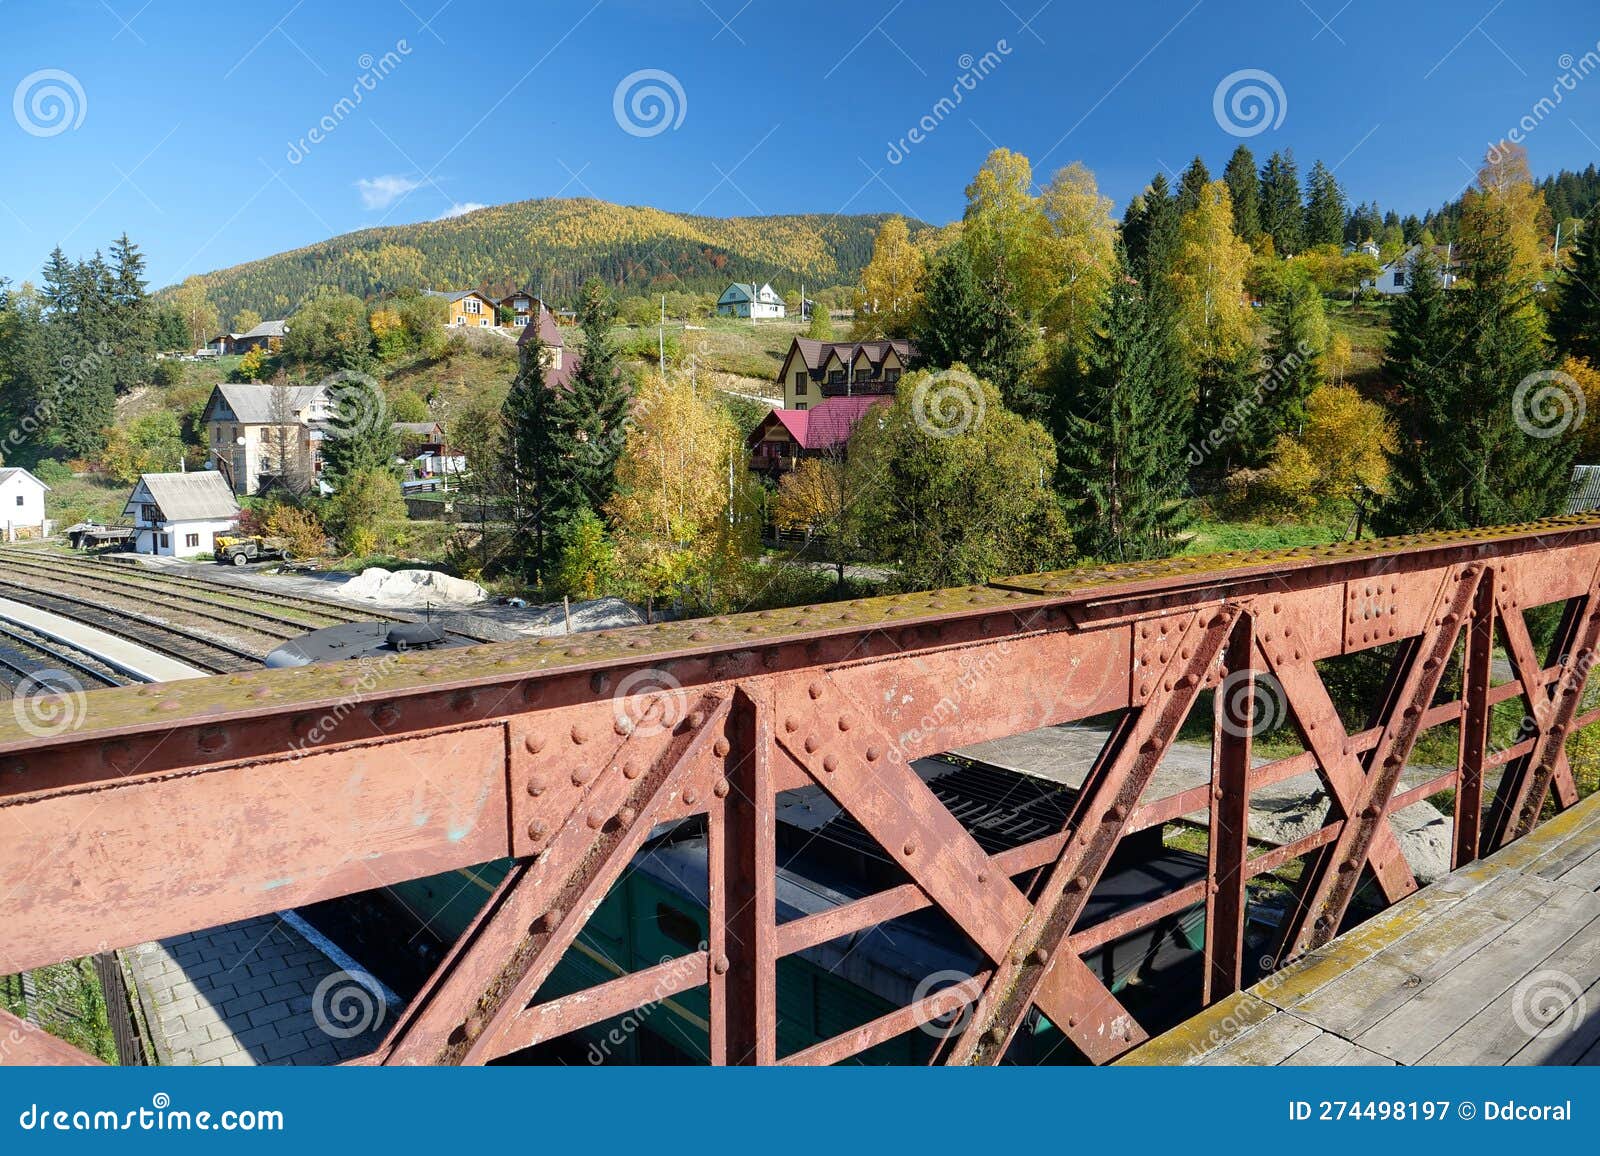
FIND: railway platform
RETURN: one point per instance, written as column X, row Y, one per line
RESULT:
column 139, row 662
column 1496, row 964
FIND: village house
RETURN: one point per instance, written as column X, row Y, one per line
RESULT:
column 787, row 436
column 264, row 435
column 1395, row 277
column 22, row 505
column 180, row 515
column 267, row 337
column 467, row 307
column 521, row 305
column 746, row 299
column 560, row 362
column 815, row 370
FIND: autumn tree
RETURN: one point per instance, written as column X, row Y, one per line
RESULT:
column 681, row 513
column 963, row 491
column 245, row 320
column 825, row 496
column 1294, row 351
column 199, row 315
column 1079, row 248
column 1342, row 450
column 891, row 284
column 973, row 321
column 1207, row 280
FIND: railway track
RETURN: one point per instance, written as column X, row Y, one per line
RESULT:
column 26, row 654
column 190, row 599
column 205, row 653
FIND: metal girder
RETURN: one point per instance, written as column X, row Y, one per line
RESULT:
column 174, row 807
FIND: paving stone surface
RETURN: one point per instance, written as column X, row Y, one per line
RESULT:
column 254, row 992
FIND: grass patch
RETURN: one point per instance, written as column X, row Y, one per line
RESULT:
column 1217, row 537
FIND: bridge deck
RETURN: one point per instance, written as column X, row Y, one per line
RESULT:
column 1497, row 963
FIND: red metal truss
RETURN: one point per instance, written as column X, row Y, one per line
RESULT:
column 179, row 806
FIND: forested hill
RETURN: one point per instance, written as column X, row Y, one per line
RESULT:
column 556, row 244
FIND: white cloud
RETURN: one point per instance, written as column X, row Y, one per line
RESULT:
column 381, row 192
column 460, row 210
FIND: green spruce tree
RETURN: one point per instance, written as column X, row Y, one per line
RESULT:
column 1246, row 193
column 1193, row 182
column 1294, row 353
column 1120, row 423
column 1325, row 208
column 1575, row 321
column 1282, row 214
column 589, row 415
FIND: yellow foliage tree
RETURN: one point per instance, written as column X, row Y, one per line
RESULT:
column 1208, row 278
column 1346, row 443
column 677, row 533
column 1588, row 432
column 1506, row 191
column 1079, row 252
column 1004, row 226
column 890, row 293
column 1337, row 358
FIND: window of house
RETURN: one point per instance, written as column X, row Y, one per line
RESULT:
column 19, row 499
column 836, row 377
column 151, row 513
column 801, row 405
column 800, row 384
column 891, row 375
column 164, row 540
column 190, row 541
column 472, row 305
column 1399, row 278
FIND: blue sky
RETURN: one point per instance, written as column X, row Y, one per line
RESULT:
column 190, row 126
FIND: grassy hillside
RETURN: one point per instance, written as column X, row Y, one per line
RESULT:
column 557, row 244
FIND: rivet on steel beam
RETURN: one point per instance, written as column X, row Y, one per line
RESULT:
column 386, row 715
column 1078, row 883
column 596, row 819
column 811, row 744
column 473, row 1028
column 1039, row 956
column 533, row 744
column 720, row 747
column 697, row 719
column 830, row 763
column 462, row 701
column 1372, row 812
column 720, row 788
column 582, row 775
column 535, row 787
column 721, row 965
column 598, row 682
column 532, row 692
column 997, row 1035
column 626, row 816
column 691, row 797
column 910, row 848
column 983, row 877
column 578, row 735
column 631, row 770
column 845, row 722
column 1117, row 813
column 1348, row 866
column 538, row 829
column 791, row 724
column 814, row 690
column 551, row 919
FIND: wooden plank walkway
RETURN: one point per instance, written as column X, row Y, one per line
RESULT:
column 1497, row 963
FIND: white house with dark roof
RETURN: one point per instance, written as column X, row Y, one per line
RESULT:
column 180, row 515
column 746, row 299
column 22, row 505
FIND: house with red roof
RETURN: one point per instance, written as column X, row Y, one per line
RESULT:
column 785, row 436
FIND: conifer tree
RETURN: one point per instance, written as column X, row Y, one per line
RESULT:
column 1325, row 208
column 1294, row 353
column 1479, row 446
column 588, row 415
column 1246, row 193
column 1193, row 182
column 360, row 437
column 1575, row 321
column 1120, row 423
column 532, row 458
column 973, row 322
column 1282, row 214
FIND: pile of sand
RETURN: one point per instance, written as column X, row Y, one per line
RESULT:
column 412, row 588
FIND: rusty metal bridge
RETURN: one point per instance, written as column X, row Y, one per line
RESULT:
column 180, row 806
